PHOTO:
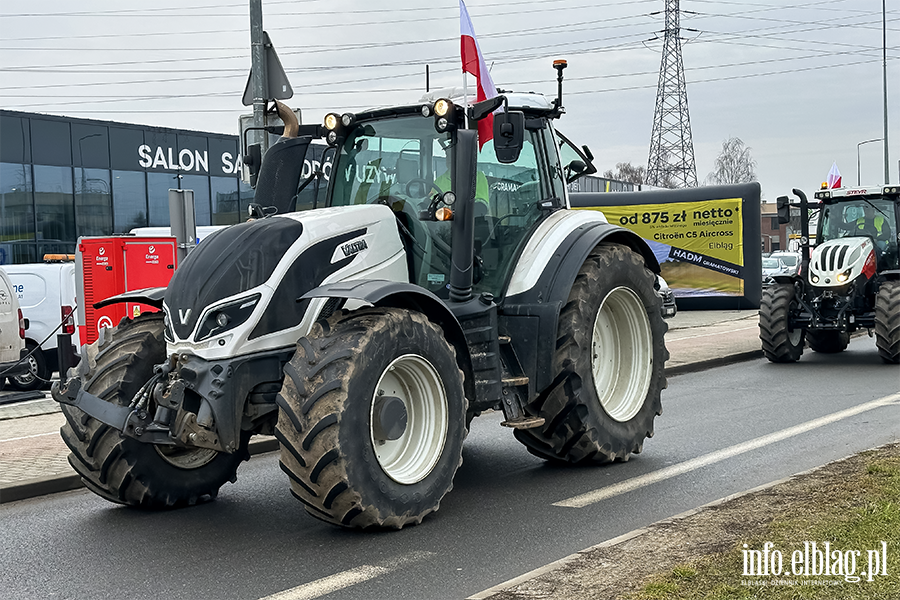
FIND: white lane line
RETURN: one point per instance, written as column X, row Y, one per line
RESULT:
column 28, row 437
column 629, row 485
column 344, row 579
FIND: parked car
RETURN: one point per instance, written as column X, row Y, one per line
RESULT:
column 46, row 294
column 668, row 298
column 12, row 332
column 772, row 266
column 791, row 261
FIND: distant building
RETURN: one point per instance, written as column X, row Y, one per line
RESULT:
column 61, row 178
column 774, row 236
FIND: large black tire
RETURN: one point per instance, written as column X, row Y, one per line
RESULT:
column 122, row 469
column 330, row 447
column 609, row 365
column 828, row 341
column 887, row 322
column 779, row 343
column 38, row 375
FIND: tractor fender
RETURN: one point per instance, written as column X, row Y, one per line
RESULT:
column 384, row 293
column 547, row 297
column 151, row 296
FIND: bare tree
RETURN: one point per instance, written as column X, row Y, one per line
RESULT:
column 625, row 171
column 733, row 165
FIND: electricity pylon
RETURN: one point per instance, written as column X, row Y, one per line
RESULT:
column 671, row 162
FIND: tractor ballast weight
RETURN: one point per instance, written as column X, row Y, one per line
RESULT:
column 367, row 333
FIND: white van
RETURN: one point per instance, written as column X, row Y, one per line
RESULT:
column 46, row 293
column 12, row 329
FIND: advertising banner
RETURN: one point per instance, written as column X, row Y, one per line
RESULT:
column 706, row 245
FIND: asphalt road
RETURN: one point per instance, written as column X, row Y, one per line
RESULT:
column 723, row 431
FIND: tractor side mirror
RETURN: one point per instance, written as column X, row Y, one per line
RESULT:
column 784, row 209
column 509, row 135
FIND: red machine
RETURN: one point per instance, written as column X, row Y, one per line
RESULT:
column 107, row 266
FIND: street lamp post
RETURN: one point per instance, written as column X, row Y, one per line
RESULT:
column 858, row 181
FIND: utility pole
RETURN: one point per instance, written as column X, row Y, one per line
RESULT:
column 671, row 161
column 887, row 161
column 259, row 73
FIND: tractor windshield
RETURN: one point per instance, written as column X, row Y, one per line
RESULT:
column 874, row 217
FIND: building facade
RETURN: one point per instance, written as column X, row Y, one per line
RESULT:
column 61, row 178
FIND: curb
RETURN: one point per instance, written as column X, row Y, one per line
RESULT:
column 42, row 486
column 719, row 361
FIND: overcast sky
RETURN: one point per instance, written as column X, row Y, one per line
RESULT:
column 800, row 82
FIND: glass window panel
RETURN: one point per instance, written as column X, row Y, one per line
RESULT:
column 200, row 185
column 15, row 142
column 54, row 201
column 125, row 149
column 50, row 142
column 224, row 157
column 90, row 146
column 163, row 151
column 247, row 194
column 226, row 201
column 193, row 154
column 158, row 186
column 17, row 231
column 93, row 202
column 130, row 200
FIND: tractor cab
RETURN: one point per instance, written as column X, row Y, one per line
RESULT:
column 404, row 158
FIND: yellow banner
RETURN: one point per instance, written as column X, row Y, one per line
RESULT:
column 689, row 239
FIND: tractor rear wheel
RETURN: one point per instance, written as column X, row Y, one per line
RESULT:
column 780, row 343
column 123, row 469
column 887, row 322
column 828, row 341
column 609, row 363
column 372, row 418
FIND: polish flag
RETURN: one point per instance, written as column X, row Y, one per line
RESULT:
column 834, row 177
column 473, row 62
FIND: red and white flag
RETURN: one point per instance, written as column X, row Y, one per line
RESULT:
column 834, row 177
column 473, row 62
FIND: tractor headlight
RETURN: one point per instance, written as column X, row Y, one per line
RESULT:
column 442, row 124
column 814, row 278
column 331, row 138
column 331, row 121
column 843, row 277
column 443, row 107
column 227, row 317
column 347, row 119
column 426, row 110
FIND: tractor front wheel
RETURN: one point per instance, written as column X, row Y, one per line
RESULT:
column 372, row 418
column 123, row 469
column 780, row 343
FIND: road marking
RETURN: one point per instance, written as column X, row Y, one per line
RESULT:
column 634, row 483
column 340, row 581
column 28, row 437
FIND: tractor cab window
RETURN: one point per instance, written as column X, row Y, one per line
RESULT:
column 504, row 218
column 401, row 163
column 874, row 218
